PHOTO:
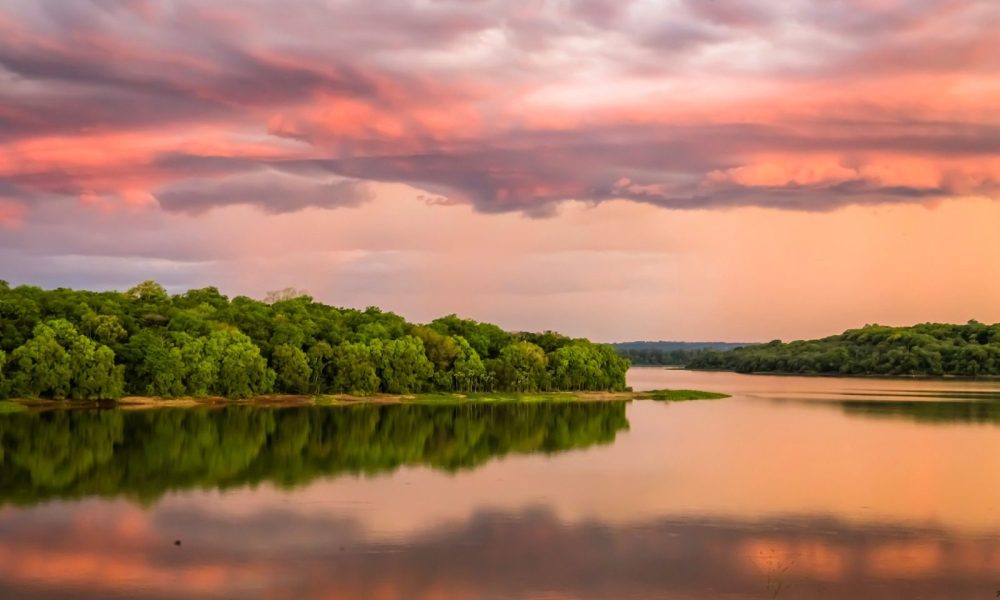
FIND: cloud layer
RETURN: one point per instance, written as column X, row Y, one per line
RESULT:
column 508, row 107
column 724, row 169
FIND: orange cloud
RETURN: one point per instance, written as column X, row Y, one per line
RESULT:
column 511, row 110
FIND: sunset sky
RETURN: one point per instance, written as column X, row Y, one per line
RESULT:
column 691, row 169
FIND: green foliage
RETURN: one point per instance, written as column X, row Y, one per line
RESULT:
column 19, row 313
column 157, row 366
column 929, row 349
column 320, row 358
column 89, row 345
column 292, row 368
column 148, row 290
column 7, row 407
column 486, row 339
column 586, row 366
column 243, row 372
column 468, row 371
column 401, row 365
column 354, row 369
column 58, row 362
column 677, row 395
column 104, row 329
column 3, row 376
column 145, row 454
column 521, row 367
column 41, row 367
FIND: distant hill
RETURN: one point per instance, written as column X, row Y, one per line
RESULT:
column 670, row 353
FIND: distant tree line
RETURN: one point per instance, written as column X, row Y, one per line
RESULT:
column 63, row 454
column 660, row 357
column 929, row 349
column 668, row 353
column 102, row 345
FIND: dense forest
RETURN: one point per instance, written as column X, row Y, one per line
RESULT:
column 144, row 454
column 668, row 353
column 929, row 349
column 84, row 345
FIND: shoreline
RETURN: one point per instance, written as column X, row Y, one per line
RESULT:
column 946, row 377
column 334, row 400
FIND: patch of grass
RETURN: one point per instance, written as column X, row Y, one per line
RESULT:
column 7, row 408
column 430, row 398
column 491, row 398
column 678, row 395
column 455, row 398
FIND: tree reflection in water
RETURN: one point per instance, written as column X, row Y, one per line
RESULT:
column 143, row 454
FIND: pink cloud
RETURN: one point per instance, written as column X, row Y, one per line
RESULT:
column 507, row 110
column 11, row 214
column 175, row 121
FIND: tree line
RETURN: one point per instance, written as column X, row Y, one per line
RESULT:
column 928, row 349
column 668, row 353
column 655, row 356
column 87, row 345
column 64, row 454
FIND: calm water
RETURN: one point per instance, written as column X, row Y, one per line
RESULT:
column 793, row 488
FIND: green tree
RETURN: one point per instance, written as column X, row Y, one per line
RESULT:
column 442, row 350
column 19, row 314
column 521, row 367
column 292, row 367
column 487, row 339
column 148, row 290
column 243, row 372
column 354, row 369
column 104, row 329
column 156, row 365
column 201, row 369
column 401, row 364
column 320, row 357
column 576, row 367
column 41, row 367
column 4, row 390
column 58, row 362
column 469, row 372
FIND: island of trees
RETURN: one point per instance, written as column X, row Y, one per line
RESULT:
column 929, row 349
column 87, row 345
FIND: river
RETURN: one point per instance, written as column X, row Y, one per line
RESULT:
column 792, row 488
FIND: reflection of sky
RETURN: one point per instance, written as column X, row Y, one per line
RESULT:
column 99, row 549
column 740, row 458
column 698, row 498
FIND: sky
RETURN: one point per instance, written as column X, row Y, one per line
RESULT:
column 739, row 170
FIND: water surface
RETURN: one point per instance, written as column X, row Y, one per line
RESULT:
column 793, row 488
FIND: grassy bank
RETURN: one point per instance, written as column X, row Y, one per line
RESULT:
column 678, row 395
column 434, row 399
column 7, row 407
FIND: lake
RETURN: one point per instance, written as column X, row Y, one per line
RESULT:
column 793, row 488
